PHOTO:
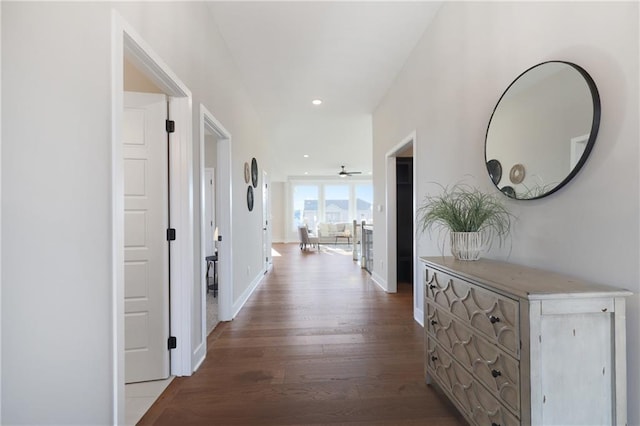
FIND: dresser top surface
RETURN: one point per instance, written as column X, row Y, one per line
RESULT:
column 522, row 281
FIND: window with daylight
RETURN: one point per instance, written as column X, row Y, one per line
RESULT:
column 314, row 203
column 305, row 206
column 336, row 204
column 364, row 203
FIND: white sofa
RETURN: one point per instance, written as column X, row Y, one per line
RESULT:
column 333, row 233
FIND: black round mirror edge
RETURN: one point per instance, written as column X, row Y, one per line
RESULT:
column 595, row 126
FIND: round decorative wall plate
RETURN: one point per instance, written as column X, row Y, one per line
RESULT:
column 517, row 174
column 250, row 198
column 254, row 172
column 247, row 173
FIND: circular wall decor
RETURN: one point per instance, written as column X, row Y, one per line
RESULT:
column 250, row 198
column 247, row 172
column 516, row 175
column 254, row 172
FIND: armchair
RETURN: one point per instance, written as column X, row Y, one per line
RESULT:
column 306, row 240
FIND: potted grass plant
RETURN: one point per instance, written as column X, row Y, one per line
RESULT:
column 473, row 219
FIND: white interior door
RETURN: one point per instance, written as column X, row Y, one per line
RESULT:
column 266, row 246
column 209, row 211
column 146, row 252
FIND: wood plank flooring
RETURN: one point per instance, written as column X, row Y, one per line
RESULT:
column 317, row 343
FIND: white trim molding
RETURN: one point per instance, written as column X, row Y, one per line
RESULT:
column 208, row 123
column 224, row 211
column 125, row 41
column 391, row 282
column 247, row 293
column 181, row 207
column 390, row 222
column 379, row 281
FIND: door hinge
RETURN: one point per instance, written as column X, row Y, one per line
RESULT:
column 172, row 343
column 171, row 234
column 170, row 126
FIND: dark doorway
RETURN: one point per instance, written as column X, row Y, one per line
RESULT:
column 404, row 219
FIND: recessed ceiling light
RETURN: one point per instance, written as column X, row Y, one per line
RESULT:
column 306, row 155
column 306, row 173
column 316, row 101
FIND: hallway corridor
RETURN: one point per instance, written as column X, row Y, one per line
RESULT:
column 317, row 343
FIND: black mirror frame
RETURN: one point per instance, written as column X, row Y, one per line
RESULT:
column 595, row 125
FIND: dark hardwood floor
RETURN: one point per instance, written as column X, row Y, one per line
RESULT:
column 317, row 343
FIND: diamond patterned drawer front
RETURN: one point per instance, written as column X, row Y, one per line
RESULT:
column 499, row 372
column 511, row 345
column 471, row 397
column 493, row 315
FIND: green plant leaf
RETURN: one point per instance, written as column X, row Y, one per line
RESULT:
column 463, row 208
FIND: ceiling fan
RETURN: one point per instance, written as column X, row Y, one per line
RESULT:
column 344, row 173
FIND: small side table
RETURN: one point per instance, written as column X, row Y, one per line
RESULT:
column 212, row 260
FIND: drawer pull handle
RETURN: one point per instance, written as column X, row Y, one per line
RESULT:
column 495, row 424
column 434, row 358
column 434, row 322
column 432, row 286
column 493, row 319
column 496, row 373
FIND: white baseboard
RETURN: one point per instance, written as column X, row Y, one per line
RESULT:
column 198, row 356
column 418, row 316
column 246, row 294
column 381, row 282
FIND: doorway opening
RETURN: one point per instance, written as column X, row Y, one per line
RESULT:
column 128, row 46
column 404, row 221
column 216, row 237
column 400, row 190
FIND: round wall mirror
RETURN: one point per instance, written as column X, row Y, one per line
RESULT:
column 542, row 130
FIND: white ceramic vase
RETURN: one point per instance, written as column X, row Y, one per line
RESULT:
column 466, row 245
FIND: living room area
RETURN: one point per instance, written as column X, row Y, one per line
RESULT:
column 331, row 211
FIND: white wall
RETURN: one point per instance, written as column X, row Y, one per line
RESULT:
column 56, row 186
column 447, row 91
column 210, row 151
column 278, row 211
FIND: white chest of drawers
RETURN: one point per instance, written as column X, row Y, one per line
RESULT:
column 511, row 345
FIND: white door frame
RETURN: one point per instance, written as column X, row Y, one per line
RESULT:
column 390, row 223
column 224, row 217
column 126, row 41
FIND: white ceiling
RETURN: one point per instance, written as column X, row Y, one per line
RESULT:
column 345, row 53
